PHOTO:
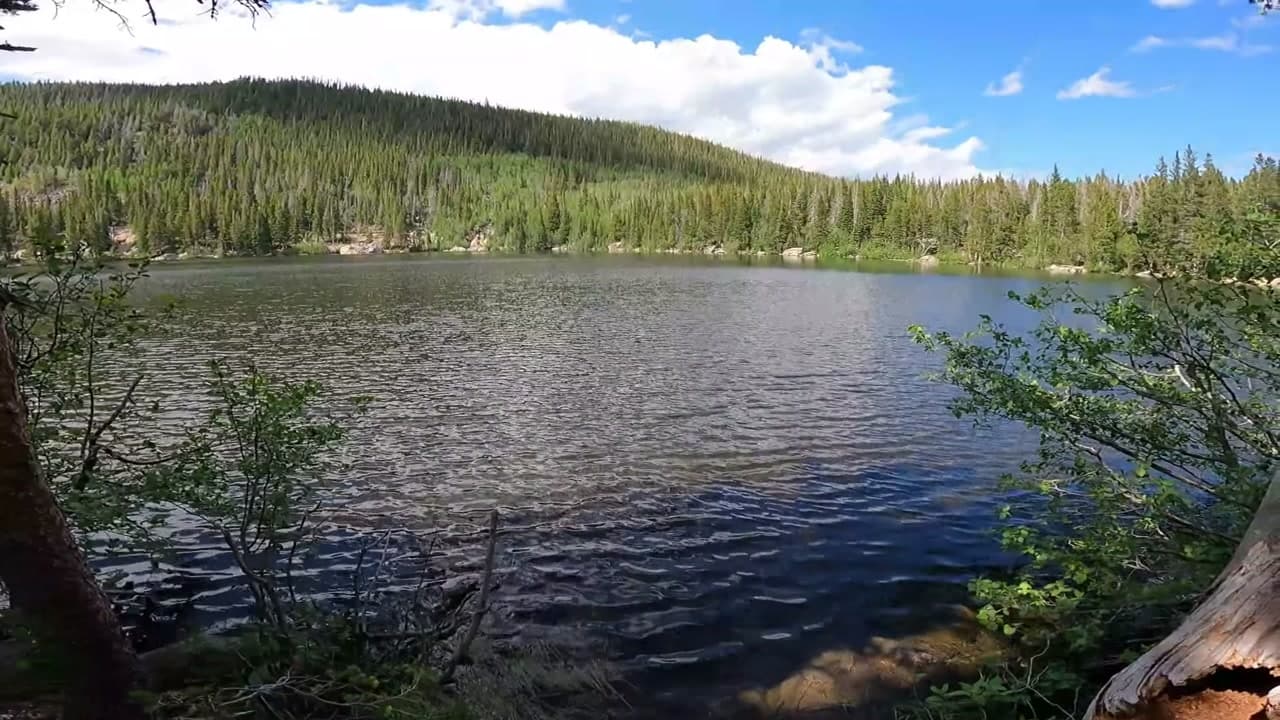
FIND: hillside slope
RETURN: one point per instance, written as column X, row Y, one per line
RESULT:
column 256, row 167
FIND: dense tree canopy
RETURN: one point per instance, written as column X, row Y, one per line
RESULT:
column 257, row 167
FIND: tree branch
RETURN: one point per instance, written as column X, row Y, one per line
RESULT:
column 482, row 605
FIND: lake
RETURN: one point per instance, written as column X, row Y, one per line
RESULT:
column 709, row 471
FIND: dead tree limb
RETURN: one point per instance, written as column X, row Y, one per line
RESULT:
column 1236, row 626
column 482, row 605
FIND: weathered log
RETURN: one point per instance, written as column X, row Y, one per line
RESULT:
column 1237, row 626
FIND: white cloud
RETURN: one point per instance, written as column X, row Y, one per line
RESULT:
column 1172, row 4
column 817, row 38
column 1225, row 43
column 790, row 102
column 1010, row 84
column 1098, row 84
column 1148, row 43
column 1249, row 22
column 480, row 9
column 1228, row 42
column 825, row 48
column 622, row 19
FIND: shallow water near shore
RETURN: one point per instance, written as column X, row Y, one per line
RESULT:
column 710, row 472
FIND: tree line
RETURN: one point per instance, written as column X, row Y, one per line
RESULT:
column 262, row 167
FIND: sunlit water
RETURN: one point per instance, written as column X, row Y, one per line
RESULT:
column 711, row 471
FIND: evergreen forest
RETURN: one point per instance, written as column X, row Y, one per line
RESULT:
column 255, row 167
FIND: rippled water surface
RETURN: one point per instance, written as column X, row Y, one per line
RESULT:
column 712, row 471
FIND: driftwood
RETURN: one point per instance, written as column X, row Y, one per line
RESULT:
column 1236, row 627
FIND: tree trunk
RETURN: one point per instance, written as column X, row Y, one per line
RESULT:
column 1237, row 626
column 48, row 580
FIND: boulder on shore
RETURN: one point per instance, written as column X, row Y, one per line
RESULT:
column 479, row 242
column 359, row 248
column 811, row 255
column 1144, row 274
column 928, row 261
column 1275, row 283
column 886, row 671
column 1067, row 269
column 458, row 249
column 617, row 247
column 793, row 252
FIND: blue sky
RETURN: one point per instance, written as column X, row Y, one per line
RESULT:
column 946, row 53
column 850, row 87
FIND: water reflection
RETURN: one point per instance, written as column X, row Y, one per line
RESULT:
column 713, row 470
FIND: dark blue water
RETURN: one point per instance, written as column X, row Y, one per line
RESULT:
column 712, row 471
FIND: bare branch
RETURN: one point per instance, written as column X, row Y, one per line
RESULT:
column 482, row 605
column 90, row 449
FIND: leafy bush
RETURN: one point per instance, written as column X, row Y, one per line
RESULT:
column 1159, row 422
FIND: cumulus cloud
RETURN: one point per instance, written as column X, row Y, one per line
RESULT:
column 791, row 102
column 1172, row 4
column 1228, row 42
column 1010, row 84
column 1098, row 84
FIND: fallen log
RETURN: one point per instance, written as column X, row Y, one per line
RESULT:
column 1235, row 628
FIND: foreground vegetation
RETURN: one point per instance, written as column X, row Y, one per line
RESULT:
column 1159, row 415
column 284, row 166
column 250, row 475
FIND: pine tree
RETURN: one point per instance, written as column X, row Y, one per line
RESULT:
column 318, row 162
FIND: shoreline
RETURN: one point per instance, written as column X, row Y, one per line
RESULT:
column 923, row 264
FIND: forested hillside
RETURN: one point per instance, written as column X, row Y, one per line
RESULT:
column 256, row 167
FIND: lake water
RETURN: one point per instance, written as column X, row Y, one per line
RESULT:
column 709, row 471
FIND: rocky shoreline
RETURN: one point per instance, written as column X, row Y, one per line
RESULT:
column 478, row 242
